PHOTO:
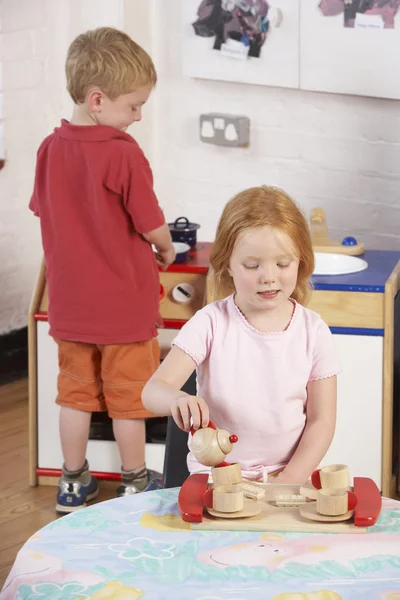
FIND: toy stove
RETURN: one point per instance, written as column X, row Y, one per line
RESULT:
column 182, row 293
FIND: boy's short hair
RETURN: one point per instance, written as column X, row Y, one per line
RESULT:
column 109, row 59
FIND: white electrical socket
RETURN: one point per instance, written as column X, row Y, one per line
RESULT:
column 225, row 130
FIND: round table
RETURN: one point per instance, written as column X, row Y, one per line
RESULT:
column 138, row 547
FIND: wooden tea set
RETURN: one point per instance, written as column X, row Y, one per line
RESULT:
column 328, row 503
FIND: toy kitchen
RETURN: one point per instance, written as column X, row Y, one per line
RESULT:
column 356, row 293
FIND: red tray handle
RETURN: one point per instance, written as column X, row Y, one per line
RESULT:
column 369, row 502
column 191, row 498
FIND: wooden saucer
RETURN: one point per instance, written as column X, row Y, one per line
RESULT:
column 310, row 492
column 309, row 511
column 250, row 509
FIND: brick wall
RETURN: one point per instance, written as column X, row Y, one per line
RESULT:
column 34, row 37
column 1, row 101
column 23, row 59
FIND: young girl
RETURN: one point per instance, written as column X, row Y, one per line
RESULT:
column 266, row 365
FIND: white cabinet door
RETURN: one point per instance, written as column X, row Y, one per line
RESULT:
column 358, row 436
column 360, row 60
column 103, row 456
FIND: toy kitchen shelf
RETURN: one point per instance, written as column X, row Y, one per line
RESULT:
column 361, row 310
column 44, row 445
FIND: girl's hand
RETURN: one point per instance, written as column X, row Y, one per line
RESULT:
column 190, row 407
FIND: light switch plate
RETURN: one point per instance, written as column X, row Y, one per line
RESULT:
column 225, row 130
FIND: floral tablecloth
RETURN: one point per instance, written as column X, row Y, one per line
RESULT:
column 138, row 547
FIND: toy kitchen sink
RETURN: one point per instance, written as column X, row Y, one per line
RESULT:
column 338, row 264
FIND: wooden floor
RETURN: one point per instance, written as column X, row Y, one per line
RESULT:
column 23, row 509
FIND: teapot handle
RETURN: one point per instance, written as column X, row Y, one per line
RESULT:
column 210, row 424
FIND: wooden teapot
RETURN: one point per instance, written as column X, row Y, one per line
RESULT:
column 210, row 445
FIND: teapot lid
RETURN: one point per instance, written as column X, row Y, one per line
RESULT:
column 225, row 440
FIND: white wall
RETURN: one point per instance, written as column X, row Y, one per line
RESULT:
column 338, row 152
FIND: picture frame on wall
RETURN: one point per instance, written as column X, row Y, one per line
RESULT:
column 245, row 41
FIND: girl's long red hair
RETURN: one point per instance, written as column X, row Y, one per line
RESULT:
column 260, row 207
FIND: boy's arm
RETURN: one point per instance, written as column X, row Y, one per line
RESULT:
column 142, row 204
column 318, row 432
column 161, row 239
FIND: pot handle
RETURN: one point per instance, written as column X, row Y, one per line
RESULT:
column 211, row 424
column 181, row 222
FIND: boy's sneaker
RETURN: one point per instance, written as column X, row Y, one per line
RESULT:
column 128, row 488
column 73, row 495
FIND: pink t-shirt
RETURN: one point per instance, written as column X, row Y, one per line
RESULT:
column 255, row 383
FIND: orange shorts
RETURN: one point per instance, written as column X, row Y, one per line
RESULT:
column 108, row 377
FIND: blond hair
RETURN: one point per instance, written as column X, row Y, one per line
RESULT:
column 260, row 207
column 110, row 60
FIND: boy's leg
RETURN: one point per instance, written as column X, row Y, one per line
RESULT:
column 125, row 370
column 130, row 435
column 131, row 439
column 74, row 435
column 79, row 393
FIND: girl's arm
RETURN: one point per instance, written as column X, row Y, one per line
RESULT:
column 163, row 396
column 317, row 434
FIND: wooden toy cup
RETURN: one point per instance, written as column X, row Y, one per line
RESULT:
column 225, row 498
column 331, row 476
column 335, row 502
column 229, row 475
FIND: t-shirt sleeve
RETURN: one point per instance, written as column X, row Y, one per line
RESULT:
column 40, row 175
column 140, row 199
column 34, row 201
column 325, row 361
column 195, row 337
column 34, row 205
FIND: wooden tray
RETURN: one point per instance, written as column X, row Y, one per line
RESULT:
column 276, row 518
column 194, row 496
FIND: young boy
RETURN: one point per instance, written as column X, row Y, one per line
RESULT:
column 99, row 216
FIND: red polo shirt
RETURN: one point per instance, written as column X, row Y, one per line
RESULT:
column 94, row 196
